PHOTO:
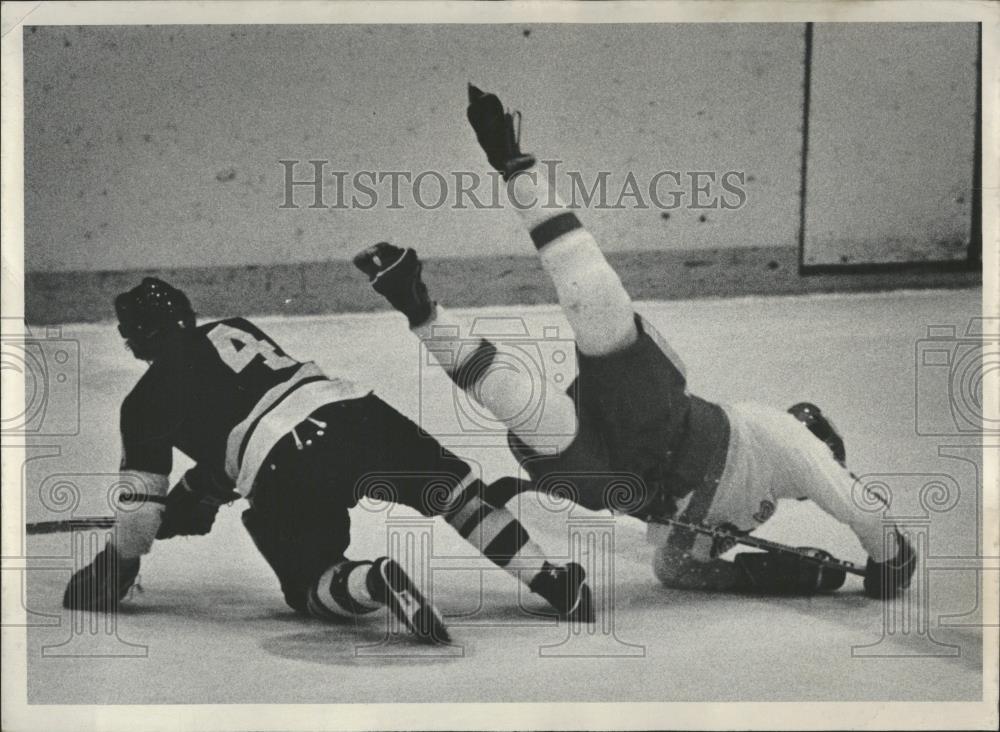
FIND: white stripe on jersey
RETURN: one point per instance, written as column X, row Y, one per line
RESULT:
column 290, row 411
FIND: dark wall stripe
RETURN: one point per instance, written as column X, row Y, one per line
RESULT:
column 337, row 287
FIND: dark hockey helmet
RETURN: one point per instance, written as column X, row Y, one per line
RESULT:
column 150, row 309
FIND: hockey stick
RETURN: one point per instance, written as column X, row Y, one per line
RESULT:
column 505, row 490
column 87, row 522
column 815, row 556
column 53, row 527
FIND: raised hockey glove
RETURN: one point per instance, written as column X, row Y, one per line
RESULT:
column 102, row 584
column 189, row 512
column 498, row 132
column 395, row 274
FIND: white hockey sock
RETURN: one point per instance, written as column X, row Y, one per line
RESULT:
column 506, row 386
column 591, row 295
column 137, row 526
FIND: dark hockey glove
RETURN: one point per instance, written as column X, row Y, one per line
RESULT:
column 102, row 584
column 188, row 512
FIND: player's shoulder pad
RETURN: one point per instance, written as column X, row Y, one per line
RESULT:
column 143, row 388
column 241, row 323
column 137, row 403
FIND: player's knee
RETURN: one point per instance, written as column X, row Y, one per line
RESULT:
column 667, row 567
column 678, row 571
column 530, row 405
column 556, row 430
column 599, row 310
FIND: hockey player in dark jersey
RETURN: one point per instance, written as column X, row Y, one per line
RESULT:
column 297, row 444
column 629, row 413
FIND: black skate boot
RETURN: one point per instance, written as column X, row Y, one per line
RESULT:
column 395, row 274
column 771, row 573
column 498, row 132
column 821, row 426
column 388, row 582
column 886, row 580
column 566, row 590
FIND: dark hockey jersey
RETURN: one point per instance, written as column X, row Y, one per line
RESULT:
column 638, row 428
column 222, row 395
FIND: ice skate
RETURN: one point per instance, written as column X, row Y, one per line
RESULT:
column 387, row 581
column 566, row 590
column 886, row 580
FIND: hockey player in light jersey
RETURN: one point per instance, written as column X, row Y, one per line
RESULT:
column 297, row 445
column 629, row 411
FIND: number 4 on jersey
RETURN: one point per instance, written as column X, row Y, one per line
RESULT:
column 237, row 349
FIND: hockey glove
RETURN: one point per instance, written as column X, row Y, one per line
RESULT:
column 188, row 512
column 498, row 132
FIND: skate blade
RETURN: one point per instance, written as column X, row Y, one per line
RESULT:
column 584, row 610
column 412, row 609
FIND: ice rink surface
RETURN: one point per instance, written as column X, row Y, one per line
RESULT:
column 210, row 626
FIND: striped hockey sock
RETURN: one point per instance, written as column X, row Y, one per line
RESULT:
column 465, row 360
column 495, row 532
column 342, row 592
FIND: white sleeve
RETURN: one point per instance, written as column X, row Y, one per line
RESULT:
column 138, row 522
